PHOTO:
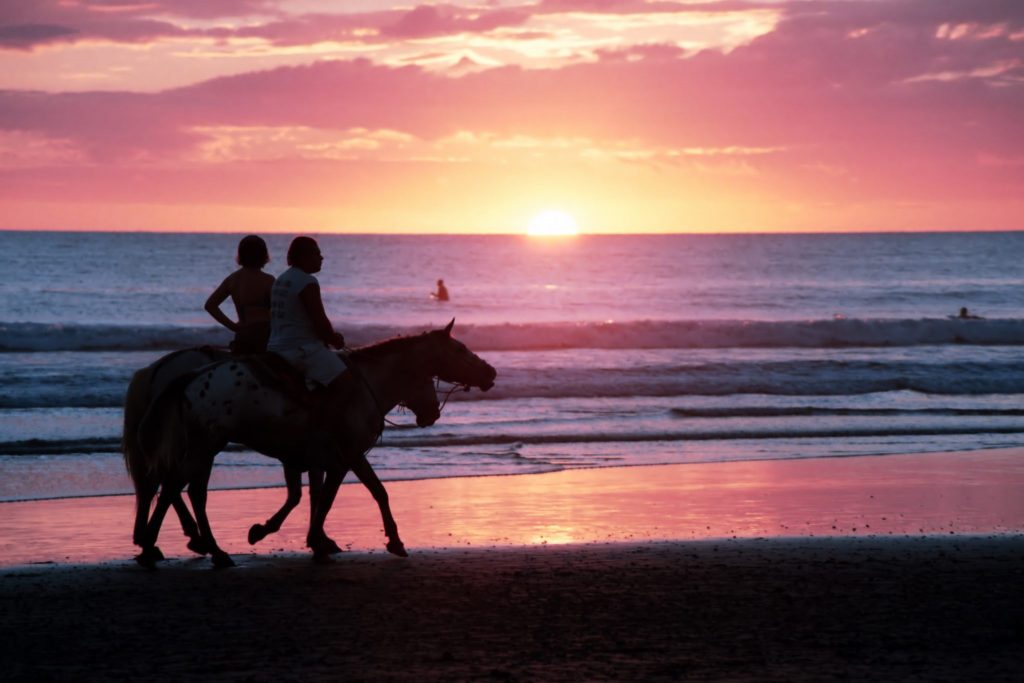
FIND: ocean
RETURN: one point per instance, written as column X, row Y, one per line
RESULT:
column 610, row 350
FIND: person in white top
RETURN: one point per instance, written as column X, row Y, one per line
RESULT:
column 300, row 331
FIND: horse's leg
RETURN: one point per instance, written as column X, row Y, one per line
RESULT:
column 197, row 493
column 188, row 526
column 316, row 485
column 316, row 538
column 151, row 554
column 145, row 492
column 365, row 472
column 293, row 480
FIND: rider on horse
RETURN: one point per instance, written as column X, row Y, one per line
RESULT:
column 300, row 331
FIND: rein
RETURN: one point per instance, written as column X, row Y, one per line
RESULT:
column 384, row 420
column 455, row 387
column 440, row 405
column 354, row 367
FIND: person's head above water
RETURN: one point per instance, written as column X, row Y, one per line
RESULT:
column 252, row 252
column 440, row 283
column 304, row 254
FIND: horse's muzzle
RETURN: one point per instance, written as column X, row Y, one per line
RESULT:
column 488, row 383
column 427, row 420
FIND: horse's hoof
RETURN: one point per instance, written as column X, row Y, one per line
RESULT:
column 221, row 560
column 197, row 545
column 257, row 532
column 323, row 545
column 148, row 558
column 396, row 547
column 322, row 558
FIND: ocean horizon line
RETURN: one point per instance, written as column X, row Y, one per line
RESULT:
column 510, row 233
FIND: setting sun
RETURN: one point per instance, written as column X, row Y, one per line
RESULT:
column 551, row 223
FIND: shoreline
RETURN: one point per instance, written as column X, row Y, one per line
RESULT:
column 349, row 481
column 962, row 492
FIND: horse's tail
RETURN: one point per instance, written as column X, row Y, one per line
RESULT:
column 139, row 396
column 136, row 401
column 163, row 430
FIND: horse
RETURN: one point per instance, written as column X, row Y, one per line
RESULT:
column 421, row 398
column 230, row 401
column 145, row 385
column 148, row 383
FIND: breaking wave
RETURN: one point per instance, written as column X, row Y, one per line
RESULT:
column 644, row 334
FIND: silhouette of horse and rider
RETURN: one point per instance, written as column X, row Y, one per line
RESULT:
column 280, row 391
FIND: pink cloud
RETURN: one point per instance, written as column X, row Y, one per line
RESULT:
column 432, row 20
column 833, row 86
column 24, row 25
column 27, row 24
column 50, row 22
column 26, row 36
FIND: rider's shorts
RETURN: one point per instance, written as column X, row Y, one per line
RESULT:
column 318, row 363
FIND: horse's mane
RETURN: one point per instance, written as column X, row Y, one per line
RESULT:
column 377, row 350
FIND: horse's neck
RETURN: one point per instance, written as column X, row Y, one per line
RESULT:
column 384, row 377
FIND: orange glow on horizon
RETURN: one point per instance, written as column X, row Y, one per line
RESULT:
column 552, row 223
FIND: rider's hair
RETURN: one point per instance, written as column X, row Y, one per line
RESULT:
column 252, row 252
column 299, row 246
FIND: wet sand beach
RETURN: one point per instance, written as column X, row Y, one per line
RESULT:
column 889, row 568
column 942, row 608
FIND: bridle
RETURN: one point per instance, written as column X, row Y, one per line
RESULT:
column 456, row 386
column 384, row 419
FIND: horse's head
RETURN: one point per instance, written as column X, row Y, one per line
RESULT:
column 457, row 364
column 421, row 398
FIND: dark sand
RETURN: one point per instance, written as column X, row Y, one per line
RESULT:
column 887, row 568
column 938, row 608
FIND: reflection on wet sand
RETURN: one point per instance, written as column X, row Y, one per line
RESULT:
column 960, row 493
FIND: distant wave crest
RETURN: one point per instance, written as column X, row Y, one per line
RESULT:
column 695, row 334
column 449, row 440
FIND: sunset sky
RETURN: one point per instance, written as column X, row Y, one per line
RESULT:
column 628, row 115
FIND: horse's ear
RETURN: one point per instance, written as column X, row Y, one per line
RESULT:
column 448, row 330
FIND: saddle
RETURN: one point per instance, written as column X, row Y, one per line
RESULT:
column 279, row 374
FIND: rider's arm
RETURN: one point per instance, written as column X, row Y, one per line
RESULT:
column 314, row 305
column 216, row 299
